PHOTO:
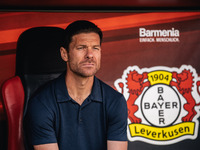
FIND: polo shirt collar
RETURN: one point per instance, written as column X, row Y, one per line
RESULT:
column 96, row 94
column 62, row 93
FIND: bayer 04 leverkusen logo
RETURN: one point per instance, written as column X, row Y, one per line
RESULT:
column 163, row 103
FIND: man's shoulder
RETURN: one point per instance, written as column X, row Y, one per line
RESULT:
column 109, row 91
column 113, row 100
column 45, row 89
column 44, row 94
column 49, row 88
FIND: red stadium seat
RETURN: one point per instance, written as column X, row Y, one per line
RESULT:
column 13, row 99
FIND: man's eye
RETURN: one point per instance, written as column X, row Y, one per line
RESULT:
column 96, row 48
column 80, row 48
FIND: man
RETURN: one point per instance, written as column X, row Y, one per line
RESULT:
column 77, row 111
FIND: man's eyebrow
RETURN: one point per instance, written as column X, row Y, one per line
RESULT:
column 81, row 45
column 86, row 45
column 97, row 45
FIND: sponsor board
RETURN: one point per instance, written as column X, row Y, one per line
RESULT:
column 163, row 103
column 164, row 35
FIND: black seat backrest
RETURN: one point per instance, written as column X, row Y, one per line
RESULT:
column 38, row 58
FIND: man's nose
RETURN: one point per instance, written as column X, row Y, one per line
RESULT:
column 89, row 54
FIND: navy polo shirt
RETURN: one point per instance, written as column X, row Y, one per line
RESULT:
column 54, row 117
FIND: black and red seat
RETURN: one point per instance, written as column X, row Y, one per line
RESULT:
column 37, row 62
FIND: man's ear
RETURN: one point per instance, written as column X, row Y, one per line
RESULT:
column 63, row 53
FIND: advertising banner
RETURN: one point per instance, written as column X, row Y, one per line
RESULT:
column 160, row 82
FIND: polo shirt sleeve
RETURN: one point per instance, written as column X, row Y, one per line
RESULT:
column 39, row 124
column 117, row 120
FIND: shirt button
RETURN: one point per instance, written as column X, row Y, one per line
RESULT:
column 80, row 120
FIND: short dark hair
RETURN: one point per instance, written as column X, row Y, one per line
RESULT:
column 80, row 26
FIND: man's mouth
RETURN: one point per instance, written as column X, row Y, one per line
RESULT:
column 88, row 64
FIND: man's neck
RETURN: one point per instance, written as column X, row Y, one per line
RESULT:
column 79, row 88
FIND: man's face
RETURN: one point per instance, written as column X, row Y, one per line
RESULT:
column 84, row 54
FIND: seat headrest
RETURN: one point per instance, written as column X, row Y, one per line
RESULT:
column 38, row 51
